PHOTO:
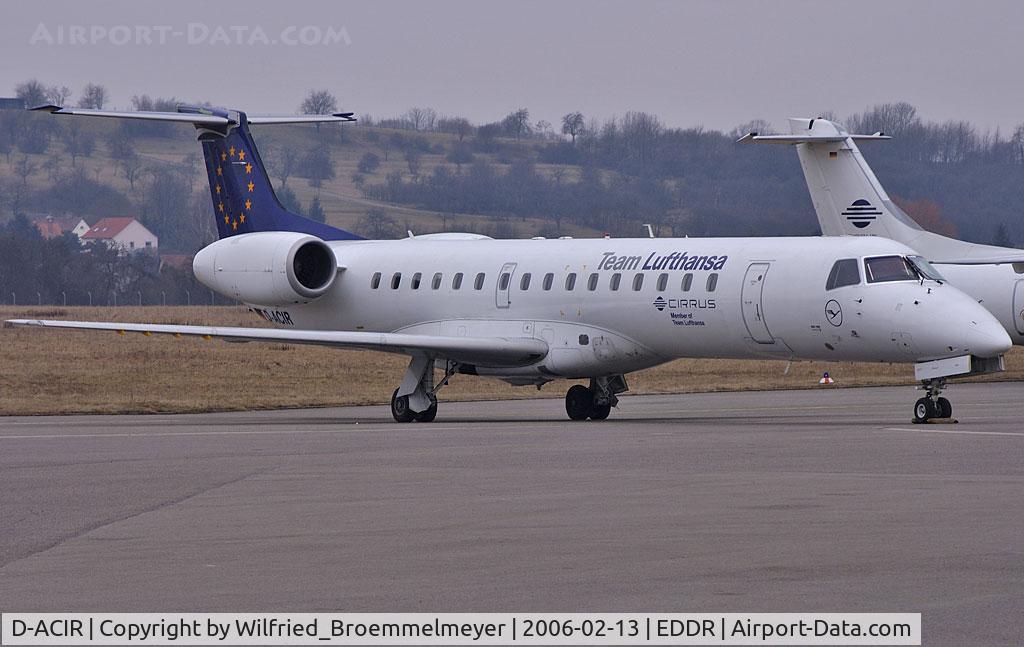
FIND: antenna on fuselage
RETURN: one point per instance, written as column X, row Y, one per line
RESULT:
column 650, row 230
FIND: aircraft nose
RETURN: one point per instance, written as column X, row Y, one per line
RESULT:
column 987, row 338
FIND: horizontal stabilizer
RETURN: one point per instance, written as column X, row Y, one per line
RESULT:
column 180, row 117
column 300, row 119
column 197, row 115
column 982, row 260
column 485, row 351
column 754, row 138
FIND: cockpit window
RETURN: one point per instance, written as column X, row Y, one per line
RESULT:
column 925, row 269
column 881, row 269
column 843, row 273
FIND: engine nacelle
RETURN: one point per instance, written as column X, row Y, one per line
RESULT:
column 272, row 268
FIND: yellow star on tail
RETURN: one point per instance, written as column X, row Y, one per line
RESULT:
column 234, row 225
column 241, row 155
column 220, row 171
column 220, row 207
column 218, row 189
column 226, row 218
column 223, row 156
column 251, row 186
column 232, row 151
column 248, row 168
column 248, row 203
column 241, row 218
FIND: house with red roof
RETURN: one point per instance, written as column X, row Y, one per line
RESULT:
column 56, row 226
column 126, row 233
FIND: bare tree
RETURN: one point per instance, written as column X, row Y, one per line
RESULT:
column 641, row 131
column 1018, row 143
column 416, row 117
column 284, row 160
column 32, row 92
column 58, row 95
column 412, row 159
column 24, row 167
column 78, row 142
column 517, row 123
column 132, row 167
column 573, row 125
column 94, row 96
column 377, row 224
column 317, row 165
column 319, row 102
column 369, row 162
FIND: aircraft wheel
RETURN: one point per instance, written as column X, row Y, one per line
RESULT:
column 430, row 413
column 945, row 408
column 400, row 408
column 923, row 410
column 600, row 411
column 579, row 402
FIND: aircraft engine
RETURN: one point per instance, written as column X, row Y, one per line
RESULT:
column 273, row 268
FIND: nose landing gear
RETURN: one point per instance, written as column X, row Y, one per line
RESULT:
column 932, row 405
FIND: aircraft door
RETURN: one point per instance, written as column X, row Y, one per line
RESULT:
column 753, row 310
column 504, row 285
column 1018, row 306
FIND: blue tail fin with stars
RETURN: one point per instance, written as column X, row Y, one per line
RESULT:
column 243, row 197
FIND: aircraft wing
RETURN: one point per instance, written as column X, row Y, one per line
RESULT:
column 486, row 351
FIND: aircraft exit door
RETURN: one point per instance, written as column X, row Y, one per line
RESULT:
column 753, row 311
column 504, row 285
column 1018, row 306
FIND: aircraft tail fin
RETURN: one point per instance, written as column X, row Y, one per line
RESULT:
column 243, row 196
column 847, row 197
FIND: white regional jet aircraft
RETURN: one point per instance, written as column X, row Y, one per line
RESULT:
column 850, row 201
column 530, row 311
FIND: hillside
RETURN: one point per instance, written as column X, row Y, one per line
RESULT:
column 343, row 202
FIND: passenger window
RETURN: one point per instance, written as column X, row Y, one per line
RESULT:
column 614, row 283
column 375, row 281
column 396, row 280
column 478, row 284
column 844, row 272
column 570, row 282
column 687, row 281
column 549, row 280
column 662, row 282
column 638, row 282
column 592, row 282
column 457, row 281
column 436, row 283
column 416, row 278
column 524, row 283
column 503, row 281
column 712, row 282
column 888, row 268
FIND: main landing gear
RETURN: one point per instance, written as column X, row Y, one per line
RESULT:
column 418, row 402
column 596, row 401
column 932, row 405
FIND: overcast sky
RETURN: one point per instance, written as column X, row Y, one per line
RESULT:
column 718, row 63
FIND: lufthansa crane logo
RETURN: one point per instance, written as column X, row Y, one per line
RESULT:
column 834, row 313
column 861, row 213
